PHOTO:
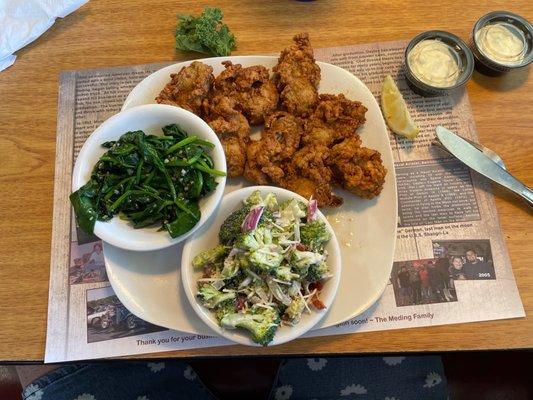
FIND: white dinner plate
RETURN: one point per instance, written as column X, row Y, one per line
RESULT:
column 150, row 284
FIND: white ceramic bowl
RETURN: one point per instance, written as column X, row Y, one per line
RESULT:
column 207, row 237
column 149, row 118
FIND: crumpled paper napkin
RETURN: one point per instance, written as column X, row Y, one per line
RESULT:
column 23, row 21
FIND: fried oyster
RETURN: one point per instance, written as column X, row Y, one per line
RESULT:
column 297, row 76
column 251, row 88
column 357, row 169
column 223, row 114
column 334, row 119
column 279, row 141
column 309, row 175
column 188, row 88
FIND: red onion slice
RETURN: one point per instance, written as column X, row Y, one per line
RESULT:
column 312, row 207
column 252, row 219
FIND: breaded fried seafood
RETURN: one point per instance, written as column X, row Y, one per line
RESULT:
column 310, row 142
column 334, row 119
column 357, row 169
column 251, row 88
column 188, row 88
column 297, row 76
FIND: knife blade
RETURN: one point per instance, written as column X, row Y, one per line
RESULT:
column 481, row 163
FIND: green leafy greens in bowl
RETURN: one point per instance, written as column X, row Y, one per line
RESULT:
column 270, row 267
column 149, row 180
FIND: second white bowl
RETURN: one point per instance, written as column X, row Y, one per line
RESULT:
column 149, row 118
column 207, row 237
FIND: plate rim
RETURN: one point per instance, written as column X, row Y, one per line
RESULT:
column 128, row 303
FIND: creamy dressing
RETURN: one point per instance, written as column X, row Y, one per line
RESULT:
column 502, row 42
column 435, row 63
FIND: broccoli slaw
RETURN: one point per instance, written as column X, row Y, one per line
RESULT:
column 269, row 268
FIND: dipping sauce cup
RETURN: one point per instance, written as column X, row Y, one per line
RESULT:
column 437, row 62
column 502, row 41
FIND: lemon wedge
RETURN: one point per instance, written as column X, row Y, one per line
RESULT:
column 395, row 110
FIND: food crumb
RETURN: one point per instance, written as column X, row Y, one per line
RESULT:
column 348, row 244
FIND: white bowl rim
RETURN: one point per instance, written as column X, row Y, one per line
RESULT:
column 281, row 336
column 90, row 144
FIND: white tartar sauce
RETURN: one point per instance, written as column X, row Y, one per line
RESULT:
column 435, row 63
column 502, row 42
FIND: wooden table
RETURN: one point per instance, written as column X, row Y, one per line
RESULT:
column 110, row 33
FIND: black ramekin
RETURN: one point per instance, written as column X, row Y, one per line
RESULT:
column 488, row 66
column 462, row 50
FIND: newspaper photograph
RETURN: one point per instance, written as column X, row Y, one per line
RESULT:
column 451, row 264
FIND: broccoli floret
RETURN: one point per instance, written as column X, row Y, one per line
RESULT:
column 231, row 264
column 233, row 268
column 254, row 199
column 295, row 309
column 263, row 235
column 259, row 237
column 242, row 259
column 266, row 218
column 265, row 261
column 210, row 256
column 262, row 323
column 234, row 282
column 284, row 273
column 295, row 206
column 314, row 235
column 283, row 204
column 231, row 227
column 225, row 308
column 317, row 272
column 247, row 241
column 302, row 260
column 291, row 211
column 211, row 297
column 271, row 202
column 230, row 268
column 288, row 204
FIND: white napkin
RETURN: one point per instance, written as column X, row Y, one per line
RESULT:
column 23, row 21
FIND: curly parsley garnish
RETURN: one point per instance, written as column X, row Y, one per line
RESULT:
column 205, row 34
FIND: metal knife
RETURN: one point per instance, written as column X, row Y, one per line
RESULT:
column 481, row 163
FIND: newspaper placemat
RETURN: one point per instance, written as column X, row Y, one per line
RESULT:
column 451, row 264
